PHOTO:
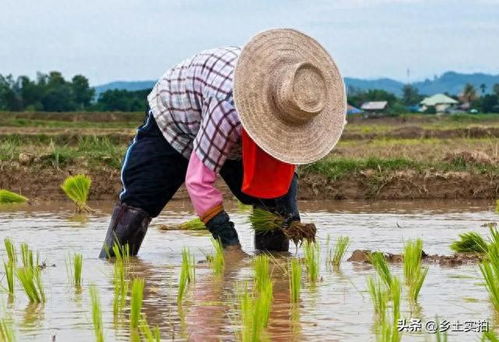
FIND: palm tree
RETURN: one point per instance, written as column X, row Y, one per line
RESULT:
column 469, row 93
column 483, row 87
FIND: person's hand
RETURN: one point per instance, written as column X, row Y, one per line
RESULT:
column 223, row 230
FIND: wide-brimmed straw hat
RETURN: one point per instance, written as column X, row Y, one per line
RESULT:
column 290, row 96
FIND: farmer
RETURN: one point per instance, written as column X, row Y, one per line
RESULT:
column 249, row 115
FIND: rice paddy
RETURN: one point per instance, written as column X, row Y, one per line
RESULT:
column 74, row 265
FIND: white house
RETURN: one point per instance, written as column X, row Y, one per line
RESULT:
column 441, row 102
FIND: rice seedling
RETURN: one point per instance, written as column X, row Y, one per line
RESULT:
column 121, row 285
column 217, row 261
column 312, row 260
column 490, row 272
column 10, row 249
column 294, row 280
column 121, row 253
column 77, row 189
column 254, row 312
column 148, row 334
column 243, row 207
column 9, row 197
column 136, row 302
column 439, row 335
column 264, row 221
column 31, row 280
column 414, row 273
column 74, row 266
column 96, row 314
column 489, row 336
column 6, row 331
column 379, row 297
column 470, row 242
column 27, row 256
column 261, row 265
column 381, row 266
column 9, row 268
column 187, row 274
column 336, row 255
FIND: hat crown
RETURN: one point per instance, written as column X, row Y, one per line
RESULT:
column 300, row 94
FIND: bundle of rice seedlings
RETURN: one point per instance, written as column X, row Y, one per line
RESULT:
column 136, row 302
column 31, row 280
column 6, row 331
column 10, row 250
column 470, row 242
column 379, row 263
column 241, row 207
column 96, row 314
column 77, row 189
column 217, row 260
column 312, row 260
column 336, row 255
column 148, row 334
column 187, row 274
column 9, row 197
column 414, row 273
column 261, row 265
column 294, row 280
column 74, row 266
column 263, row 221
column 194, row 224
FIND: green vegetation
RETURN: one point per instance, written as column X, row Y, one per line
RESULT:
column 10, row 249
column 414, row 273
column 261, row 266
column 148, row 334
column 187, row 274
column 194, row 224
column 470, row 242
column 77, row 189
column 488, row 336
column 31, row 280
column 9, row 268
column 264, row 221
column 136, row 302
column 217, row 260
column 312, row 260
column 379, row 297
column 27, row 256
column 379, row 263
column 490, row 269
column 74, row 266
column 120, row 281
column 336, row 255
column 9, row 197
column 295, row 270
column 254, row 311
column 96, row 314
column 6, row 331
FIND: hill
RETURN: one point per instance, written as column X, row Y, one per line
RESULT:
column 449, row 82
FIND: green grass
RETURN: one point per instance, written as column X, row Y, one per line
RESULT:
column 74, row 266
column 261, row 266
column 9, row 197
column 187, row 274
column 136, row 302
column 217, row 261
column 10, row 249
column 381, row 266
column 148, row 334
column 414, row 273
column 295, row 271
column 254, row 312
column 336, row 255
column 31, row 281
column 77, row 189
column 470, row 242
column 96, row 314
column 311, row 252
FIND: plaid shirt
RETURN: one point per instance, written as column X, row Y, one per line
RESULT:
column 193, row 106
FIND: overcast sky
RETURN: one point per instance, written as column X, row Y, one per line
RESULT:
column 109, row 40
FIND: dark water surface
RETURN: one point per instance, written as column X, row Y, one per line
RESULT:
column 337, row 309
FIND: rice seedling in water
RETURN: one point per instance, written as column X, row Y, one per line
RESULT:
column 336, row 255
column 31, row 280
column 121, row 285
column 439, row 335
column 489, row 336
column 312, row 260
column 470, row 242
column 381, row 266
column 74, row 266
column 490, row 272
column 379, row 297
column 294, row 280
column 261, row 265
column 9, row 268
column 136, row 302
column 6, row 331
column 148, row 334
column 27, row 256
column 121, row 253
column 96, row 314
column 77, row 189
column 217, row 261
column 264, row 221
column 187, row 274
column 254, row 312
column 414, row 273
column 9, row 197
column 11, row 251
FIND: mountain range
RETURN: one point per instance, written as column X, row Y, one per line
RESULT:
column 449, row 82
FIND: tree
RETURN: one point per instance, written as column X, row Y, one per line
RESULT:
column 10, row 98
column 58, row 96
column 469, row 93
column 483, row 87
column 410, row 95
column 496, row 89
column 82, row 93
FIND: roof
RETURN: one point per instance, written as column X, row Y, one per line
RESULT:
column 352, row 110
column 374, row 105
column 438, row 99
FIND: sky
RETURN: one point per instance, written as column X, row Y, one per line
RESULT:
column 109, row 40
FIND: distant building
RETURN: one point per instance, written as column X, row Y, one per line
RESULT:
column 374, row 107
column 353, row 110
column 440, row 102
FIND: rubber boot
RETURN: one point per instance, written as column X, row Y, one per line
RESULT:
column 274, row 241
column 128, row 226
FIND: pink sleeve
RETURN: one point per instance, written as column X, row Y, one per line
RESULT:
column 200, row 184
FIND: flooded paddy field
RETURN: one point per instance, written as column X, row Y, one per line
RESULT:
column 336, row 308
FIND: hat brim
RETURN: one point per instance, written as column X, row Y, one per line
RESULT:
column 253, row 81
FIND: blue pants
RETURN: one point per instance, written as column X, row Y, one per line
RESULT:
column 153, row 171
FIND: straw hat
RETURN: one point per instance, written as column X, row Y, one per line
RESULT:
column 290, row 96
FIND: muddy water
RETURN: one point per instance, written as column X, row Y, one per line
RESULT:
column 336, row 309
